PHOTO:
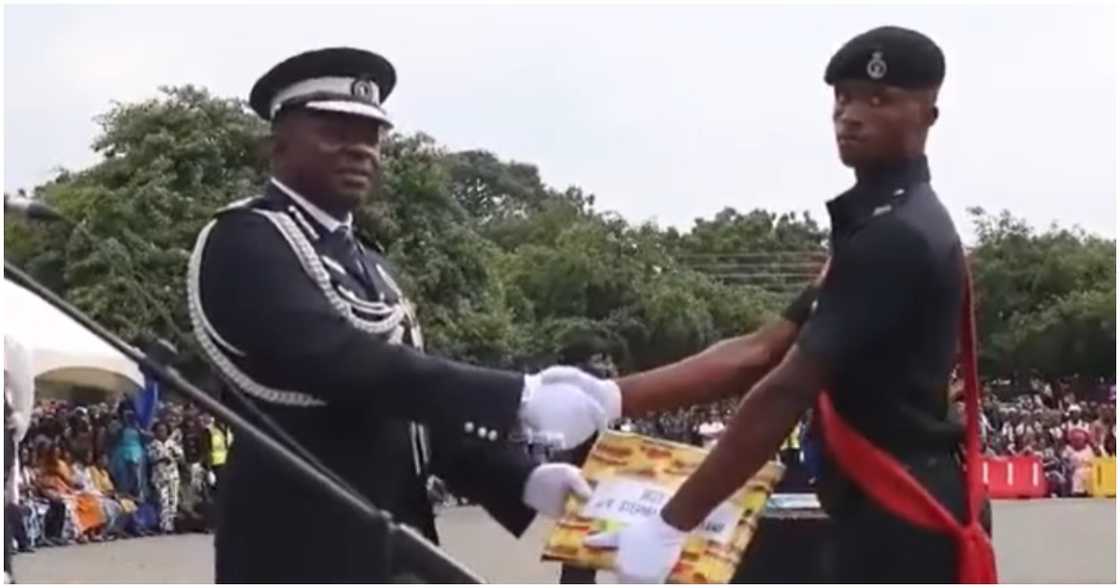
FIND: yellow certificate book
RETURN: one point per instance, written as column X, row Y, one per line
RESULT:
column 633, row 476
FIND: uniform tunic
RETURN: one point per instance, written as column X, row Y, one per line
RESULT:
column 887, row 324
column 313, row 328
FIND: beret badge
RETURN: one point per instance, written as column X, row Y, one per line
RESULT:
column 876, row 67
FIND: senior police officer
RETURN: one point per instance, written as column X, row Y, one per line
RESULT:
column 882, row 341
column 309, row 323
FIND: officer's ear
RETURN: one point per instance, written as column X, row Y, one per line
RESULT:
column 932, row 112
column 279, row 141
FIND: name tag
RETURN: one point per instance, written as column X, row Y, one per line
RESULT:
column 630, row 501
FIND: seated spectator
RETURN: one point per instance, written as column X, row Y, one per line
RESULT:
column 96, row 479
column 1054, row 426
column 33, row 506
column 1102, row 426
column 710, row 430
column 1079, row 457
column 1011, row 428
column 82, row 510
column 1029, row 445
column 80, row 440
column 1037, row 421
column 194, row 495
column 1075, row 421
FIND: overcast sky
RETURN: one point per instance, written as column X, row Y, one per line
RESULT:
column 665, row 113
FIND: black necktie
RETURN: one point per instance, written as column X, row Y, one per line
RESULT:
column 353, row 252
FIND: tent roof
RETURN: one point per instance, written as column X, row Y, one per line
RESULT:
column 60, row 347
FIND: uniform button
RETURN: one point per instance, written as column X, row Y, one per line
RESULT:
column 469, row 427
column 493, row 436
column 482, row 432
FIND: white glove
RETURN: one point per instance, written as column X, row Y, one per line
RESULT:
column 605, row 392
column 647, row 550
column 548, row 487
column 561, row 410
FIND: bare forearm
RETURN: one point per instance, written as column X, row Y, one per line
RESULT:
column 763, row 420
column 726, row 368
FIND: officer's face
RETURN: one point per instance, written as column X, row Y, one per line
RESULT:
column 876, row 123
column 334, row 158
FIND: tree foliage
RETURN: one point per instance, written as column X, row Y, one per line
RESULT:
column 1046, row 302
column 504, row 269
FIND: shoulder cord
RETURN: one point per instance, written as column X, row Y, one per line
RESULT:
column 209, row 338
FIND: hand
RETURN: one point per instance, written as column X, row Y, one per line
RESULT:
column 605, row 392
column 647, row 550
column 549, row 485
column 562, row 411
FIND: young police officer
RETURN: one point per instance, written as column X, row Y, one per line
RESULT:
column 309, row 323
column 882, row 341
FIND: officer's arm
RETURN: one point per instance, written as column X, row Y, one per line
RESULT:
column 868, row 295
column 492, row 475
column 727, row 368
column 258, row 297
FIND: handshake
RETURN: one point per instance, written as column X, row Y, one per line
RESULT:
column 568, row 405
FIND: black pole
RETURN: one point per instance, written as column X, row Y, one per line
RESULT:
column 407, row 546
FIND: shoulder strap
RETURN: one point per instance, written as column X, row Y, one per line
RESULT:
column 887, row 482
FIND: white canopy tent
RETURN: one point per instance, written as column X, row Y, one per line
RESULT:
column 62, row 352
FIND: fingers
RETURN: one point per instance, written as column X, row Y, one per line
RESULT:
column 604, row 540
column 563, row 374
column 579, row 485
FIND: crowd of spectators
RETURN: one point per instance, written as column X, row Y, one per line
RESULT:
column 100, row 472
column 1066, row 434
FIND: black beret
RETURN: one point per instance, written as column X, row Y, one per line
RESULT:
column 891, row 55
column 338, row 79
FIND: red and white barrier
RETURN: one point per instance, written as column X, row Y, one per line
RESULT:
column 1014, row 477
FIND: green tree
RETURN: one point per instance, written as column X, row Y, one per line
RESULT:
column 1045, row 301
column 167, row 164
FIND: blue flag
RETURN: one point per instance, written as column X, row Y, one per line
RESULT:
column 146, row 401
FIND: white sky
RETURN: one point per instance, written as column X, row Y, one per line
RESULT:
column 665, row 113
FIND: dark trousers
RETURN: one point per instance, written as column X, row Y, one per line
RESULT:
column 868, row 545
column 14, row 515
column 10, row 523
column 576, row 457
column 574, row 575
column 55, row 519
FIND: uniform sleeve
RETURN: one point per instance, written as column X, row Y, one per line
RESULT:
column 490, row 474
column 872, row 291
column 257, row 296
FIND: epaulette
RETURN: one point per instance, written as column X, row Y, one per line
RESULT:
column 249, row 202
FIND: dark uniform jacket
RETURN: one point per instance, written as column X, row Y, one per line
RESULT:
column 315, row 332
column 887, row 323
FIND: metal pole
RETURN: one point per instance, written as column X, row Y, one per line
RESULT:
column 404, row 541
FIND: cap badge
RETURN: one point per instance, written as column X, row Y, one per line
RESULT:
column 876, row 67
column 363, row 89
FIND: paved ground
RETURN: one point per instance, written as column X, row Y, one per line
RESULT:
column 1051, row 541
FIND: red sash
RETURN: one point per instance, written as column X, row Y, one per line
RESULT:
column 886, row 482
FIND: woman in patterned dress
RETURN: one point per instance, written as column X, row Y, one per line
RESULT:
column 165, row 454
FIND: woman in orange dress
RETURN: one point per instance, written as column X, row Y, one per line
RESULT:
column 58, row 479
